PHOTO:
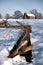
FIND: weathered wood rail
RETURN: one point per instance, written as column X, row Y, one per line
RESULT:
column 5, row 24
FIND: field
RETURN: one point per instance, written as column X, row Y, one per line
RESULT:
column 8, row 38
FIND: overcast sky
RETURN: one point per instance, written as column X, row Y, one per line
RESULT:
column 9, row 6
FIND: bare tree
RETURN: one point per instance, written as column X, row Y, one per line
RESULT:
column 18, row 14
column 7, row 16
column 0, row 16
column 36, row 13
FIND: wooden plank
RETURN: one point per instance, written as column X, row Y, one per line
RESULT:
column 20, row 50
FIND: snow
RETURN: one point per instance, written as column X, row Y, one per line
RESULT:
column 6, row 44
column 29, row 14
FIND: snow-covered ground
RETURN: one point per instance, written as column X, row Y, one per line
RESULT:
column 8, row 38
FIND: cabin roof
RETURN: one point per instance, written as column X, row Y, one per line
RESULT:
column 29, row 14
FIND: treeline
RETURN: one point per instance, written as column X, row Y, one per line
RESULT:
column 19, row 15
column 37, row 14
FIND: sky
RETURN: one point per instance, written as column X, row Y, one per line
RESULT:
column 10, row 6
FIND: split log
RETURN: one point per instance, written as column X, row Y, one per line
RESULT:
column 22, row 49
